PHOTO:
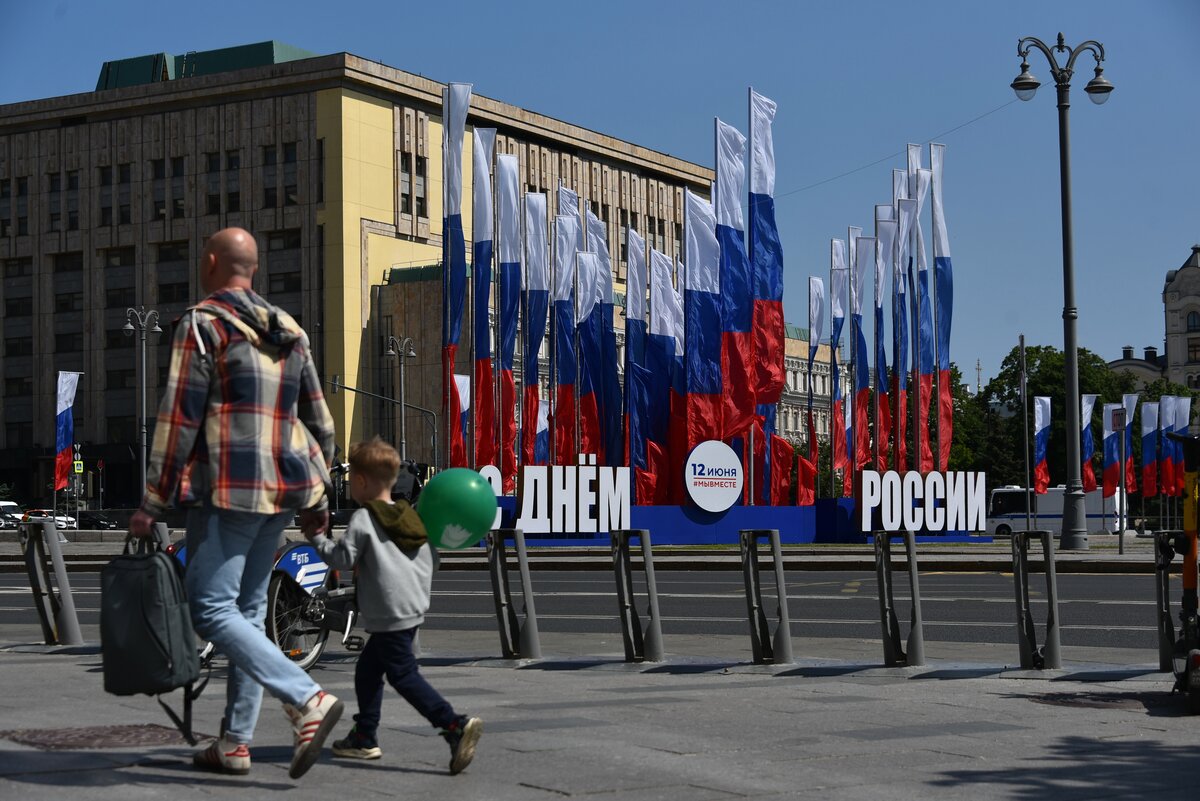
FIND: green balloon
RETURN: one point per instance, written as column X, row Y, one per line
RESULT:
column 458, row 507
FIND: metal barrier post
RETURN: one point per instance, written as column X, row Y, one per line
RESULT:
column 1050, row 655
column 517, row 641
column 762, row 647
column 67, row 621
column 45, row 603
column 639, row 646
column 893, row 652
column 916, row 629
column 1164, row 552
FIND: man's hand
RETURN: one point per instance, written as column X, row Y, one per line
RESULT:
column 314, row 522
column 141, row 524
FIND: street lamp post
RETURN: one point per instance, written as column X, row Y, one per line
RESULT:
column 403, row 349
column 1074, row 530
column 143, row 321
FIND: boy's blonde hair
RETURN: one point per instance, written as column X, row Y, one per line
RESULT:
column 376, row 460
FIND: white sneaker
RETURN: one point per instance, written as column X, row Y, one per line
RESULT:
column 224, row 756
column 311, row 724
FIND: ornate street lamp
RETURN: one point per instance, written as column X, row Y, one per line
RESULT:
column 142, row 321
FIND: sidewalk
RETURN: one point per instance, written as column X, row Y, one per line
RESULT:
column 581, row 723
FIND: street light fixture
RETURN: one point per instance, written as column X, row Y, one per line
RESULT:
column 404, row 349
column 143, row 321
column 1074, row 529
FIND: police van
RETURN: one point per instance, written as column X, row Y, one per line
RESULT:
column 1006, row 511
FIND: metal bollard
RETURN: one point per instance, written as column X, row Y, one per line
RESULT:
column 1032, row 657
column 61, row 604
column 894, row 654
column 762, row 647
column 517, row 640
column 1164, row 552
column 639, row 646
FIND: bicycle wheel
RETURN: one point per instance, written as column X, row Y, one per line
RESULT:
column 290, row 621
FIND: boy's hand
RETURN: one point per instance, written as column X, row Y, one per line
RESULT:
column 314, row 522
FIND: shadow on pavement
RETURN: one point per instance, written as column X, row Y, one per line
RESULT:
column 1078, row 767
column 1155, row 703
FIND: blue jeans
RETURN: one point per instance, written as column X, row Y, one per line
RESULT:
column 230, row 558
column 390, row 654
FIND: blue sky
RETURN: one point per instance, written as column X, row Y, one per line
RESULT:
column 854, row 83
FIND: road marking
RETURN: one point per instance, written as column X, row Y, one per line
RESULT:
column 851, row 586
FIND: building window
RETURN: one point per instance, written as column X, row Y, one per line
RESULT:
column 18, row 307
column 1193, row 321
column 1193, row 349
column 233, row 181
column 291, row 192
column 18, row 435
column 73, row 200
column 18, row 346
column 68, row 343
column 18, row 387
column 173, row 252
column 284, row 240
column 120, row 297
column 54, row 223
column 173, row 293
column 121, row 429
column 284, row 282
column 419, row 187
column 105, row 180
column 212, row 163
column 124, row 193
column 5, row 208
column 178, row 184
column 405, row 183
column 158, row 189
column 68, row 302
column 22, row 206
column 116, row 338
column 124, row 378
column 320, row 170
column 18, row 268
column 68, row 262
column 269, row 177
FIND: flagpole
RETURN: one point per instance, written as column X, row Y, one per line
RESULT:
column 447, row 367
column 1025, row 428
column 914, row 287
column 933, row 316
column 851, row 432
column 832, row 381
column 897, row 367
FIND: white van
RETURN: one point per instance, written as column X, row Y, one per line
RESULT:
column 1006, row 511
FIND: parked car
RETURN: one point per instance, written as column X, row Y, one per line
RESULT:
column 9, row 521
column 37, row 515
column 11, row 508
column 95, row 521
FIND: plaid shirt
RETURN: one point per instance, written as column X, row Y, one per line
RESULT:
column 243, row 423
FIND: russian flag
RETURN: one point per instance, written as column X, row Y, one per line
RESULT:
column 1183, row 420
column 1130, row 403
column 589, row 353
column 920, row 178
column 864, row 256
column 462, row 383
column 943, row 276
column 766, row 255
column 1166, row 421
column 702, row 314
column 535, row 301
column 64, row 429
column 658, row 382
column 848, row 473
column 610, row 405
column 456, row 97
column 635, row 349
column 541, row 443
column 807, row 473
column 566, row 244
column 885, row 234
column 677, row 434
column 481, row 280
column 1112, row 458
column 839, row 281
column 1041, row 444
column 738, row 374
column 906, row 211
column 508, row 217
column 1149, row 450
column 1086, row 446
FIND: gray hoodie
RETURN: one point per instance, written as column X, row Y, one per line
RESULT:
column 392, row 583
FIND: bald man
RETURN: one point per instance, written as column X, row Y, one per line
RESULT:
column 243, row 440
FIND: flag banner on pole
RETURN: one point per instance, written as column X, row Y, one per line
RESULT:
column 943, row 277
column 462, row 383
column 1130, row 404
column 590, row 354
column 1183, row 420
column 636, row 285
column 1166, row 456
column 738, row 372
column 853, row 232
column 663, row 381
column 1112, row 455
column 541, row 446
column 702, row 316
column 906, row 213
column 64, row 428
column 806, row 481
column 566, row 243
column 885, row 233
column 1041, row 444
column 839, row 280
column 848, row 473
column 783, row 456
column 816, row 325
column 1149, row 450
column 456, row 97
column 484, row 402
column 864, row 262
column 508, row 217
column 766, row 254
column 677, row 434
column 1086, row 446
column 536, row 300
column 608, row 391
column 924, row 312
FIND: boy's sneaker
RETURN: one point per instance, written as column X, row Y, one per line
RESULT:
column 311, row 724
column 224, row 756
column 462, row 735
column 357, row 746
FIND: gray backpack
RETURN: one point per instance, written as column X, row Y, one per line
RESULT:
column 146, row 637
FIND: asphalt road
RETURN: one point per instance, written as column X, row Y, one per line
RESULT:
column 1104, row 611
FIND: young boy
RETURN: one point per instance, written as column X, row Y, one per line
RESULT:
column 387, row 544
